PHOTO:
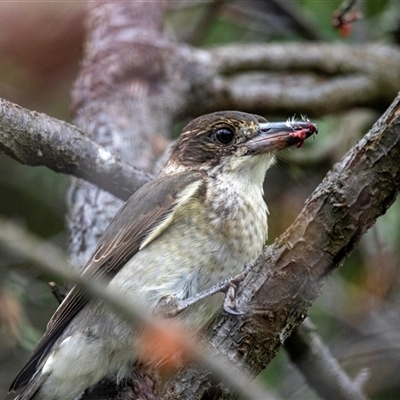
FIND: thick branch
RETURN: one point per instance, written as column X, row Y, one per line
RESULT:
column 37, row 139
column 290, row 273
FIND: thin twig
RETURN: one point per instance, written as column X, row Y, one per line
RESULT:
column 319, row 367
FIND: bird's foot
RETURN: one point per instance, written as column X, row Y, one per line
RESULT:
column 230, row 305
column 170, row 306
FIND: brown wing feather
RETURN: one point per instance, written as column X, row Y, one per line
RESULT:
column 142, row 212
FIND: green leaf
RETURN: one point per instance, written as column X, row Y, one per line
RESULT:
column 374, row 7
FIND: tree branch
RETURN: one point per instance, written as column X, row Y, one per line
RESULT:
column 289, row 274
column 321, row 370
column 312, row 78
column 39, row 140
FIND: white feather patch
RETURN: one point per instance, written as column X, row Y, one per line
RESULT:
column 183, row 198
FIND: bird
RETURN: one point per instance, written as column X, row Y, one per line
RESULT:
column 197, row 223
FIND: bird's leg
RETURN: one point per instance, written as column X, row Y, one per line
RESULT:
column 171, row 306
column 230, row 292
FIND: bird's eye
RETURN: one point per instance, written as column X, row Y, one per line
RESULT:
column 224, row 135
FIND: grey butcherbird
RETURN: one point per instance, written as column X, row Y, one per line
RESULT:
column 200, row 221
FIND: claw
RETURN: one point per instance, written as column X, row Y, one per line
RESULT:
column 232, row 311
column 229, row 302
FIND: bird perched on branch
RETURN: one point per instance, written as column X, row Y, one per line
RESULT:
column 200, row 221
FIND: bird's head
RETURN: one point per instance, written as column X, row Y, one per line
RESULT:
column 233, row 141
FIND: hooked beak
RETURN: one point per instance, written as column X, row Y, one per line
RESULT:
column 274, row 136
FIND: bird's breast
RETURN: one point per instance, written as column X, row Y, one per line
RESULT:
column 210, row 238
column 238, row 216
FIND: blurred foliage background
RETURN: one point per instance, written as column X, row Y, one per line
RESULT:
column 358, row 312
